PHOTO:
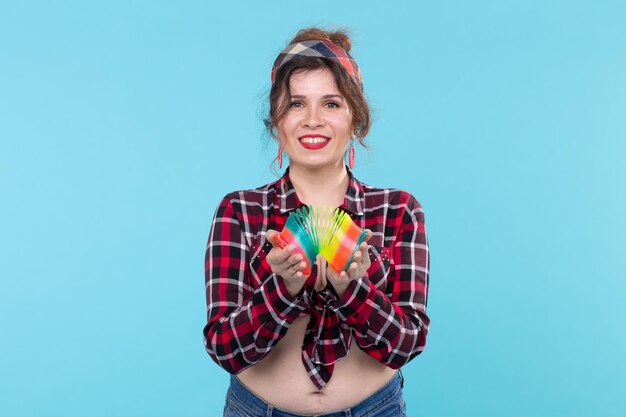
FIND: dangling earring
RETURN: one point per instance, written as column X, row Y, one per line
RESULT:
column 351, row 156
column 280, row 158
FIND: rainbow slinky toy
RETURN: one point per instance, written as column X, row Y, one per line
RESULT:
column 324, row 230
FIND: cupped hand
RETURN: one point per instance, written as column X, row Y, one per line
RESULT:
column 357, row 269
column 286, row 263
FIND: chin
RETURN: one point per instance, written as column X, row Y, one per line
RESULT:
column 317, row 164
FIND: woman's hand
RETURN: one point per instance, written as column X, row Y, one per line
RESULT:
column 321, row 281
column 285, row 263
column 359, row 266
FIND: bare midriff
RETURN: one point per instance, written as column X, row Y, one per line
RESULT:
column 280, row 378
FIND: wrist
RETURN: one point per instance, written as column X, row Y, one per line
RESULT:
column 293, row 288
column 340, row 289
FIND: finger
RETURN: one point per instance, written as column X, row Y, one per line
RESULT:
column 368, row 236
column 295, row 271
column 318, row 262
column 300, row 266
column 277, row 257
column 294, row 259
column 320, row 282
column 270, row 235
column 283, row 254
column 321, row 271
column 331, row 273
column 363, row 252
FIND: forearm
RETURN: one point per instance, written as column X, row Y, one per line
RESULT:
column 237, row 336
column 393, row 333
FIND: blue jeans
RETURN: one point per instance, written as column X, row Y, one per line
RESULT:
column 386, row 402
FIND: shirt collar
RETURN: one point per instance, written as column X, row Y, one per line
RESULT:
column 286, row 199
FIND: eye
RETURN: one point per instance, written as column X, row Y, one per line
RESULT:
column 295, row 104
column 333, row 104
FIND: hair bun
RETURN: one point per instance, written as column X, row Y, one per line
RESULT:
column 338, row 37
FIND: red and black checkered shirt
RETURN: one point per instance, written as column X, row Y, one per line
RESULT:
column 249, row 309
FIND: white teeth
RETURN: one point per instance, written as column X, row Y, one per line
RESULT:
column 316, row 139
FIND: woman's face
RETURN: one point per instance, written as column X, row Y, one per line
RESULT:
column 317, row 126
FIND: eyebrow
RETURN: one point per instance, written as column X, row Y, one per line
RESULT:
column 324, row 96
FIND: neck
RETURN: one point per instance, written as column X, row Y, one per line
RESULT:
column 325, row 186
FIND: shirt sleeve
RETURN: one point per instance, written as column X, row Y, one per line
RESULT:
column 391, row 326
column 243, row 322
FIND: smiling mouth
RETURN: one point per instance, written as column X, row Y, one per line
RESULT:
column 314, row 139
column 313, row 142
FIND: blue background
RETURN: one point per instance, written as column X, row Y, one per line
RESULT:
column 122, row 124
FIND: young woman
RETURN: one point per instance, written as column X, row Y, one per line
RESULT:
column 327, row 343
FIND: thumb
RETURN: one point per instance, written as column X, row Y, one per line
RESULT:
column 274, row 238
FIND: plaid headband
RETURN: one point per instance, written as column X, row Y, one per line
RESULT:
column 325, row 49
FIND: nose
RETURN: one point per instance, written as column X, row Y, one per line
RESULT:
column 313, row 118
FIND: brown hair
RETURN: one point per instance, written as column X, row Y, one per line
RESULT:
column 280, row 92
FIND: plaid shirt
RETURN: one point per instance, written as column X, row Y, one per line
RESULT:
column 249, row 309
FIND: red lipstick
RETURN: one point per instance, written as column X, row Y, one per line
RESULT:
column 313, row 146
